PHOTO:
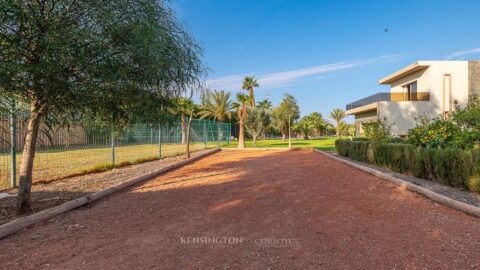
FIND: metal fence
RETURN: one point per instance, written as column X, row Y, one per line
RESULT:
column 64, row 152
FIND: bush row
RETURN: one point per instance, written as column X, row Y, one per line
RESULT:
column 452, row 167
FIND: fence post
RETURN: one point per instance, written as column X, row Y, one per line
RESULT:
column 13, row 146
column 159, row 141
column 229, row 133
column 113, row 149
column 218, row 135
column 205, row 133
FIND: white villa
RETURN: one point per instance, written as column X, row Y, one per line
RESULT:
column 432, row 88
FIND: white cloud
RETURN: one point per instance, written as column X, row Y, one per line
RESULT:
column 284, row 78
column 458, row 55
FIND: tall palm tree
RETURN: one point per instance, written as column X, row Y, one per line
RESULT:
column 217, row 106
column 338, row 115
column 241, row 105
column 248, row 84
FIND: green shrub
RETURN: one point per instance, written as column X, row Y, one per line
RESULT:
column 342, row 146
column 473, row 182
column 378, row 131
column 357, row 150
column 396, row 140
column 360, row 139
column 438, row 134
column 395, row 156
column 452, row 167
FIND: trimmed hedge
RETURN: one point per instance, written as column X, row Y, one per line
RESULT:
column 452, row 167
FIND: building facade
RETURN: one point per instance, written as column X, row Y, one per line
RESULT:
column 425, row 88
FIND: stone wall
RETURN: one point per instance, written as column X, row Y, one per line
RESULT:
column 473, row 81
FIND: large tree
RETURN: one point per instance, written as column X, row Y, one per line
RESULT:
column 249, row 82
column 337, row 115
column 103, row 59
column 285, row 114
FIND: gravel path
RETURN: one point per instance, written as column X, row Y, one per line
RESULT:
column 54, row 193
column 254, row 210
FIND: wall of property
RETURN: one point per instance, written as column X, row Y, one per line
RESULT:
column 402, row 114
column 473, row 81
column 431, row 80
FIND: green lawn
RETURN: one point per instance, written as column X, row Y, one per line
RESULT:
column 58, row 163
column 327, row 143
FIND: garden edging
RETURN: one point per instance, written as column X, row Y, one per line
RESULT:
column 24, row 222
column 469, row 209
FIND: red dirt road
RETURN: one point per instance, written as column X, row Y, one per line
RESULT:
column 254, row 210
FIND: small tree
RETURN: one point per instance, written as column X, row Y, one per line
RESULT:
column 242, row 111
column 337, row 115
column 254, row 123
column 287, row 112
column 378, row 130
column 304, row 126
column 184, row 107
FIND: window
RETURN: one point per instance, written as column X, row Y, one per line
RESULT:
column 410, row 91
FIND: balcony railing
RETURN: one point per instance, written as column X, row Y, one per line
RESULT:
column 389, row 96
column 369, row 100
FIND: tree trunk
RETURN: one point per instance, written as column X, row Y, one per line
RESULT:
column 252, row 96
column 338, row 129
column 241, row 135
column 28, row 156
column 184, row 127
column 188, row 133
column 283, row 136
column 254, row 141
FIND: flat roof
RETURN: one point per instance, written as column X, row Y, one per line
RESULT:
column 412, row 68
column 362, row 109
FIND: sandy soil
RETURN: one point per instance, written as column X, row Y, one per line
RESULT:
column 254, row 210
column 53, row 193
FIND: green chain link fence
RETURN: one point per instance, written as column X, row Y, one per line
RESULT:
column 64, row 152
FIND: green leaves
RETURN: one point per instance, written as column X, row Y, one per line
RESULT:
column 105, row 59
column 217, row 105
column 378, row 131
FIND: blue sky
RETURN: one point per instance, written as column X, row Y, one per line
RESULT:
column 326, row 53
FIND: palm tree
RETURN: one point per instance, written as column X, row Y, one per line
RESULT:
column 265, row 104
column 241, row 105
column 217, row 105
column 338, row 115
column 184, row 107
column 248, row 84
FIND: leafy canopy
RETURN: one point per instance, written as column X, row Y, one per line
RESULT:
column 114, row 60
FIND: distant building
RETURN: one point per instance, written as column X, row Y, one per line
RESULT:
column 432, row 88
